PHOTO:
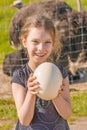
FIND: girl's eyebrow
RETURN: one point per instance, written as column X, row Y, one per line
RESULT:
column 49, row 40
column 35, row 39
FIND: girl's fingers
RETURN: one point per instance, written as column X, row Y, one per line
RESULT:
column 33, row 84
column 34, row 90
column 61, row 90
column 62, row 87
column 60, row 93
column 31, row 78
column 36, row 87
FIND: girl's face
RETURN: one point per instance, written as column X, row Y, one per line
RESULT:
column 39, row 45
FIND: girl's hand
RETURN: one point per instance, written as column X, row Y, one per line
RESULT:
column 60, row 92
column 33, row 84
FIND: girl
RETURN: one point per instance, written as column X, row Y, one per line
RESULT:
column 38, row 37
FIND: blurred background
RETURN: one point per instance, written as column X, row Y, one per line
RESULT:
column 70, row 20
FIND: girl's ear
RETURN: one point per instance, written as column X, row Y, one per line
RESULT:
column 24, row 42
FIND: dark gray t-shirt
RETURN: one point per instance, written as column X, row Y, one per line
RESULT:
column 45, row 115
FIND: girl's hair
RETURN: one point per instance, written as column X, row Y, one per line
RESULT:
column 42, row 21
column 37, row 21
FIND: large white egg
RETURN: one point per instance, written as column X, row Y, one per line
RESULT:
column 50, row 79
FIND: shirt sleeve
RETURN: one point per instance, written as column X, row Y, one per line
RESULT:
column 63, row 71
column 18, row 77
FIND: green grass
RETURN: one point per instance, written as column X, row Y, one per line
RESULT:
column 73, row 4
column 79, row 105
column 7, row 110
column 6, row 127
column 8, row 114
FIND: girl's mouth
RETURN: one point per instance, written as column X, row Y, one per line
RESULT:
column 40, row 55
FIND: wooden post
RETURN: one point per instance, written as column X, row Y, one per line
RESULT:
column 79, row 5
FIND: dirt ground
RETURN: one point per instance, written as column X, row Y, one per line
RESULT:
column 79, row 124
column 5, row 85
column 5, row 92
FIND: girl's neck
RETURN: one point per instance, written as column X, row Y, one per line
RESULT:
column 33, row 66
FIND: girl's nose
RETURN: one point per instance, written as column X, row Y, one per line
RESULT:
column 40, row 46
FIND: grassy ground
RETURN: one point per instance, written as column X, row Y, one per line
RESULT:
column 8, row 114
column 79, row 105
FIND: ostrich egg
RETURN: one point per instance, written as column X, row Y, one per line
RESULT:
column 50, row 79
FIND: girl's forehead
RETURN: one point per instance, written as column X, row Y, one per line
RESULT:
column 39, row 34
column 38, row 31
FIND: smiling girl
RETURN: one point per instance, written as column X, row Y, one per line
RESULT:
column 38, row 38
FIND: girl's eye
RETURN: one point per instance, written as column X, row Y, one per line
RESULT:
column 48, row 42
column 35, row 42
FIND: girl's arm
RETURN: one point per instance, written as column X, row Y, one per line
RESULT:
column 25, row 100
column 62, row 101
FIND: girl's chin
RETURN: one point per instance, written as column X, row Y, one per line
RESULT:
column 40, row 61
